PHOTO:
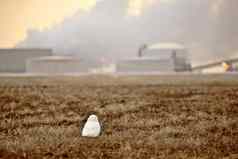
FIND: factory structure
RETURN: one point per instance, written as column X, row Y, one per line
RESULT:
column 14, row 60
column 59, row 65
column 223, row 66
column 42, row 61
column 157, row 58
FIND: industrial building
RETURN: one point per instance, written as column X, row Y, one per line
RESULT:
column 14, row 60
column 59, row 65
column 223, row 66
column 158, row 58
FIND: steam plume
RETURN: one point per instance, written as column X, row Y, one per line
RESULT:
column 116, row 29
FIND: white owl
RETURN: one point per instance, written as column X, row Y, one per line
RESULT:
column 92, row 127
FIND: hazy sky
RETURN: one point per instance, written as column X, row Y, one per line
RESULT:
column 116, row 28
column 17, row 16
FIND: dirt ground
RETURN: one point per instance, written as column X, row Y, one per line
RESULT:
column 142, row 117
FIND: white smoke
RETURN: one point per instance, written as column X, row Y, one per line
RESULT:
column 205, row 27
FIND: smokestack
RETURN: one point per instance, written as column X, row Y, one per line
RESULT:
column 141, row 49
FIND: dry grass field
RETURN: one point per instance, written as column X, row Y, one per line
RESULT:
column 143, row 117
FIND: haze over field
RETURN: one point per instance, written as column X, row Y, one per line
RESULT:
column 115, row 29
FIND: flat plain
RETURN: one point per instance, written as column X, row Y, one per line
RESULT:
column 170, row 116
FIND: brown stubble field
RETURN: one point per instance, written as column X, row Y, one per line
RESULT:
column 142, row 117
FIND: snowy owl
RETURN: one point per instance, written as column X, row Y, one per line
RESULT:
column 92, row 127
